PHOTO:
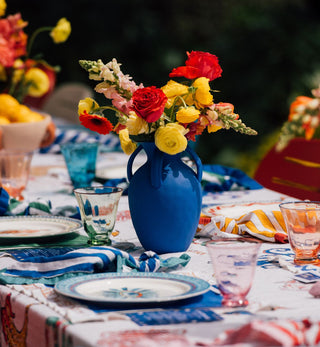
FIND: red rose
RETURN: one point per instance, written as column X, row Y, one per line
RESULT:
column 199, row 64
column 148, row 103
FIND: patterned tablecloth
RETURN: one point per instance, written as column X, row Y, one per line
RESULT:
column 35, row 315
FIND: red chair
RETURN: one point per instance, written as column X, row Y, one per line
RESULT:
column 294, row 171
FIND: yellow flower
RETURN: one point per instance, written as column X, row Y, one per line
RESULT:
column 136, row 125
column 203, row 97
column 3, row 7
column 18, row 71
column 127, row 145
column 87, row 104
column 187, row 114
column 170, row 138
column 38, row 82
column 173, row 89
column 61, row 31
column 213, row 128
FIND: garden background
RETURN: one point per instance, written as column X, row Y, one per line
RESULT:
column 268, row 50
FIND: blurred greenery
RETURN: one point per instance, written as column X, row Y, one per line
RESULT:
column 268, row 51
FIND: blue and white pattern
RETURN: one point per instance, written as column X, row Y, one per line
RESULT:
column 110, row 141
column 49, row 265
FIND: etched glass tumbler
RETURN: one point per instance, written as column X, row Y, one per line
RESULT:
column 98, row 209
column 234, row 265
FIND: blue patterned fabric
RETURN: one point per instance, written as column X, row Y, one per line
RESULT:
column 110, row 141
column 51, row 265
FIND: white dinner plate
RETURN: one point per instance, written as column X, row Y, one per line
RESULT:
column 132, row 288
column 28, row 227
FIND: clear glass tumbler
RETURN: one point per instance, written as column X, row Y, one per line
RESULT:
column 234, row 266
column 98, row 209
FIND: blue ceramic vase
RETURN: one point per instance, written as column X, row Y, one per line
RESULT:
column 164, row 199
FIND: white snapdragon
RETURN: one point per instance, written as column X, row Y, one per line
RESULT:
column 106, row 74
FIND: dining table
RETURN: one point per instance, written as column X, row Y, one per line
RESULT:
column 36, row 312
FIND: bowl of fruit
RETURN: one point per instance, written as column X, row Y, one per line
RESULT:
column 23, row 128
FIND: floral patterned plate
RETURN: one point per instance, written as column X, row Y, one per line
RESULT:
column 144, row 287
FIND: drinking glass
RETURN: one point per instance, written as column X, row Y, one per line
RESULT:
column 14, row 171
column 302, row 219
column 234, row 266
column 81, row 161
column 98, row 209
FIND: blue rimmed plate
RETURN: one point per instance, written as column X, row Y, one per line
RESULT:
column 132, row 288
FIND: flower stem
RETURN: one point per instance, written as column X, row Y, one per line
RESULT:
column 34, row 35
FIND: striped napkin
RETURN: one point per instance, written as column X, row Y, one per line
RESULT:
column 261, row 224
column 273, row 333
column 50, row 265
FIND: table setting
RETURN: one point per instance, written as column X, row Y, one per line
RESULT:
column 104, row 248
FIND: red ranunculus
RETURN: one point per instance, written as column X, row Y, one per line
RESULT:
column 199, row 64
column 148, row 103
column 96, row 123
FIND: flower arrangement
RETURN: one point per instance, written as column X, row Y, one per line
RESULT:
column 303, row 120
column 23, row 76
column 170, row 116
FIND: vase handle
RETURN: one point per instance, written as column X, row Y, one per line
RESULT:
column 130, row 162
column 197, row 161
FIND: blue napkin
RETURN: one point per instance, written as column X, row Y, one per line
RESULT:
column 51, row 265
column 219, row 178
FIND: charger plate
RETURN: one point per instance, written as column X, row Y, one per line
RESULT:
column 32, row 227
column 132, row 288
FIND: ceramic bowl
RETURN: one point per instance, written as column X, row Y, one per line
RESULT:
column 26, row 136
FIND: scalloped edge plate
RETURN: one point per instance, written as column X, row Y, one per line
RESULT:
column 132, row 288
column 31, row 227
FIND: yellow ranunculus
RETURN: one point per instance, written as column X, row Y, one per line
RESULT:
column 61, row 31
column 18, row 71
column 3, row 7
column 38, row 82
column 136, row 125
column 127, row 145
column 87, row 104
column 170, row 138
column 213, row 128
column 187, row 114
column 203, row 97
column 173, row 89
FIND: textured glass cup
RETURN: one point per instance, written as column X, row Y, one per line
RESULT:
column 302, row 220
column 14, row 171
column 98, row 209
column 234, row 265
column 81, row 161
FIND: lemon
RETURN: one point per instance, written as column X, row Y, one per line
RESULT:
column 25, row 115
column 8, row 105
column 4, row 120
